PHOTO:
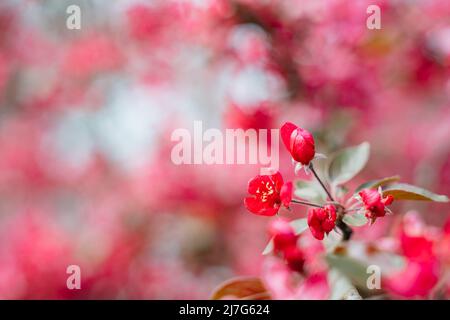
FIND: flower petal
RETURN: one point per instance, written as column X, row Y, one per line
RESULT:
column 286, row 194
column 255, row 206
column 277, row 180
column 317, row 233
column 254, row 184
column 286, row 133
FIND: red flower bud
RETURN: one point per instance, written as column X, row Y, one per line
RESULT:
column 321, row 220
column 268, row 193
column 283, row 235
column 299, row 142
column 374, row 203
column 294, row 259
column 285, row 242
column 388, row 200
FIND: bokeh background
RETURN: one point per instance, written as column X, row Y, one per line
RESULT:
column 86, row 117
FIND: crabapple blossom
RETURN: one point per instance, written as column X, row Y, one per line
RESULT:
column 283, row 235
column 321, row 220
column 418, row 243
column 374, row 203
column 285, row 243
column 299, row 142
column 269, row 193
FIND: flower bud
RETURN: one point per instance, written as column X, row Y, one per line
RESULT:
column 321, row 221
column 283, row 235
column 374, row 203
column 299, row 142
column 294, row 259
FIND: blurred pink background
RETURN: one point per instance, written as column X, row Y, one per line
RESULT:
column 86, row 117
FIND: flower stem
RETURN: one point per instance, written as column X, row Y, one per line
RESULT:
column 306, row 203
column 353, row 209
column 320, row 181
column 346, row 230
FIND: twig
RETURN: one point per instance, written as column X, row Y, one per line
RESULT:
column 320, row 181
column 306, row 203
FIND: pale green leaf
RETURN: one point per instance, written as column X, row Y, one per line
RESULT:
column 269, row 248
column 341, row 286
column 403, row 191
column 299, row 225
column 347, row 163
column 341, row 191
column 310, row 191
column 374, row 184
column 350, row 268
column 355, row 220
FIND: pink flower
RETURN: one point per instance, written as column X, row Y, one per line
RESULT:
column 443, row 246
column 417, row 279
column 299, row 142
column 294, row 258
column 421, row 272
column 278, row 278
column 90, row 55
column 144, row 22
column 285, row 242
column 321, row 220
column 268, row 192
column 283, row 235
column 374, row 203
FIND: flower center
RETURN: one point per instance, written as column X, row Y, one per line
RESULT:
column 267, row 191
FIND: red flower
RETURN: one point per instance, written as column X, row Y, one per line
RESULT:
column 283, row 235
column 420, row 274
column 286, row 194
column 415, row 280
column 294, row 259
column 285, row 242
column 374, row 203
column 299, row 142
column 268, row 194
column 321, row 220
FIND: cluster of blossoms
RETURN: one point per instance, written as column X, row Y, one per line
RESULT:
column 270, row 193
column 370, row 201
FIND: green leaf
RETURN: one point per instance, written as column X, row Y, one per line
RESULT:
column 348, row 162
column 299, row 226
column 310, row 191
column 374, row 184
column 269, row 248
column 341, row 191
column 355, row 220
column 350, row 268
column 341, row 287
column 403, row 191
